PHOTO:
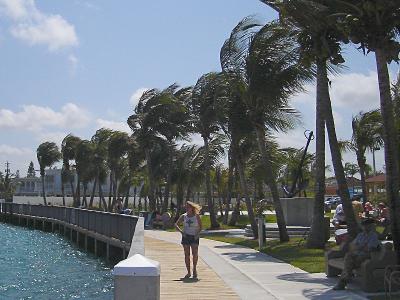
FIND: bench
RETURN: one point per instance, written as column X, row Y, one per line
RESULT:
column 370, row 275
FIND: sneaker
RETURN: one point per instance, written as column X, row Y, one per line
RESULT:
column 187, row 276
column 341, row 285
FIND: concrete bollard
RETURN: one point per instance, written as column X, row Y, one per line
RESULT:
column 137, row 277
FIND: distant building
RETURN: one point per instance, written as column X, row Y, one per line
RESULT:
column 353, row 184
column 376, row 184
column 32, row 186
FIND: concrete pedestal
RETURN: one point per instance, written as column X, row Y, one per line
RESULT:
column 137, row 278
column 298, row 211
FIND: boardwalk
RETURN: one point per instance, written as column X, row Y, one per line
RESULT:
column 170, row 256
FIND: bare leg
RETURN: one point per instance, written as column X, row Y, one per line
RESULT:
column 195, row 253
column 186, row 249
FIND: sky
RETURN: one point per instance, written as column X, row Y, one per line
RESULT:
column 74, row 66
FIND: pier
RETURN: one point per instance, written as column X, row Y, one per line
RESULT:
column 104, row 234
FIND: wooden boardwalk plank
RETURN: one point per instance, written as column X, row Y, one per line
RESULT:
column 171, row 258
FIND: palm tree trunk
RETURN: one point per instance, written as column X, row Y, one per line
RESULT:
column 93, row 192
column 134, row 197
column 337, row 161
column 43, row 190
column 63, row 193
column 271, row 182
column 101, row 196
column 236, row 211
column 361, row 164
column 390, row 139
column 317, row 238
column 78, row 193
column 126, row 202
column 152, row 200
column 84, row 202
column 109, row 206
column 213, row 217
column 230, row 186
column 169, row 177
column 244, row 189
column 71, row 183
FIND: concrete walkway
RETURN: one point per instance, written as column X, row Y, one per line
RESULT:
column 254, row 275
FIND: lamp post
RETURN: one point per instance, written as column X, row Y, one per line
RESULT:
column 373, row 158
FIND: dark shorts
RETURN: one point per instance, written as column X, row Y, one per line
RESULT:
column 189, row 240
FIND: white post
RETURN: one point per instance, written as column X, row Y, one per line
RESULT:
column 137, row 277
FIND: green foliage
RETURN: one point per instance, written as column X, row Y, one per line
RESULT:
column 47, row 154
column 31, row 170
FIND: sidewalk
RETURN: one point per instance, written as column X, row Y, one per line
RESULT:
column 254, row 275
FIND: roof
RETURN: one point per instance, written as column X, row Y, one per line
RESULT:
column 378, row 178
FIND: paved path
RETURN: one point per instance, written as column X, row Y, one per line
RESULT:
column 173, row 286
column 254, row 275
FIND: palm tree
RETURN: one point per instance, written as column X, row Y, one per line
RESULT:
column 85, row 169
column 100, row 140
column 141, row 124
column 68, row 150
column 367, row 135
column 47, row 155
column 319, row 43
column 234, row 121
column 205, row 123
column 118, row 146
column 374, row 26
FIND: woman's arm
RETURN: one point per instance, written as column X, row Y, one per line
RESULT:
column 177, row 224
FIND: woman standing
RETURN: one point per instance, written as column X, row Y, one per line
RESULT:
column 190, row 234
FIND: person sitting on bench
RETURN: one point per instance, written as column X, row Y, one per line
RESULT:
column 360, row 250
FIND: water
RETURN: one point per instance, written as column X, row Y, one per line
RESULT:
column 38, row 265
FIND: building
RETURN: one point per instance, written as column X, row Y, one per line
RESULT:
column 376, row 184
column 32, row 186
column 353, row 184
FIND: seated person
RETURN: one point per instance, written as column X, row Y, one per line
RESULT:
column 384, row 219
column 338, row 217
column 118, row 207
column 157, row 221
column 357, row 208
column 368, row 209
column 360, row 250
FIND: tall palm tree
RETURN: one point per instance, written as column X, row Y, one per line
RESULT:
column 68, row 150
column 272, row 74
column 100, row 141
column 375, row 27
column 234, row 121
column 202, row 107
column 47, row 155
column 118, row 146
column 367, row 135
column 85, row 169
column 319, row 43
column 141, row 124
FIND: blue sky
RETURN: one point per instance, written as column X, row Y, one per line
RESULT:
column 75, row 66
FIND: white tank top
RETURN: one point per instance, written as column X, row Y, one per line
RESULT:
column 190, row 225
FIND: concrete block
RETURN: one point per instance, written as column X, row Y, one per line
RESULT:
column 298, row 211
column 137, row 277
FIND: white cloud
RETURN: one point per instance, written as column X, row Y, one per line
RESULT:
column 120, row 126
column 10, row 150
column 37, row 28
column 35, row 118
column 351, row 91
column 136, row 96
column 73, row 61
column 56, row 137
column 356, row 90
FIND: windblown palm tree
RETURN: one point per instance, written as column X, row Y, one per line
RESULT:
column 367, row 135
column 319, row 42
column 202, row 107
column 68, row 150
column 47, row 155
column 85, row 169
column 375, row 27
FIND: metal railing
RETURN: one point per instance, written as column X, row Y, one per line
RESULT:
column 118, row 226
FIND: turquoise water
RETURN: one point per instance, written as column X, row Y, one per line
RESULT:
column 39, row 265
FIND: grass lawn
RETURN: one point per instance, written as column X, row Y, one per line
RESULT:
column 293, row 252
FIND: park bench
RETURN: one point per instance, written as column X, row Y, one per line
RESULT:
column 370, row 275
